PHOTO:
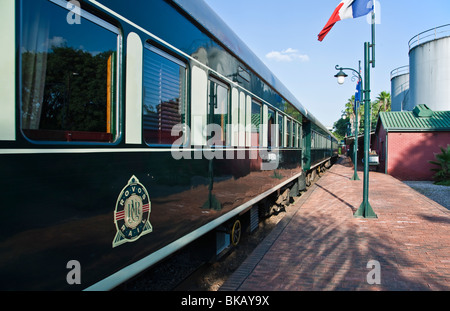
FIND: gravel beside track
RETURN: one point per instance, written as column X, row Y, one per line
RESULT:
column 437, row 193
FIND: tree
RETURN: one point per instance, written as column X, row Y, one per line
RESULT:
column 75, row 95
column 340, row 128
column 442, row 175
column 382, row 103
column 349, row 107
column 349, row 114
column 384, row 100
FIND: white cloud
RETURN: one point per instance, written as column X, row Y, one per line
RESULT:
column 57, row 41
column 288, row 55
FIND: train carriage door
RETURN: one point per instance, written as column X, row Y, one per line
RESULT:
column 217, row 120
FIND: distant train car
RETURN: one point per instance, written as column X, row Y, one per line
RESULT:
column 129, row 130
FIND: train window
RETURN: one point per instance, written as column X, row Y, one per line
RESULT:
column 68, row 74
column 294, row 135
column 256, row 121
column 300, row 135
column 270, row 122
column 218, row 111
column 280, row 129
column 288, row 133
column 163, row 102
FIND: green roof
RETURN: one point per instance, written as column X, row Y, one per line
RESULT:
column 420, row 119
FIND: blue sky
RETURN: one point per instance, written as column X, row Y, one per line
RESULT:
column 283, row 34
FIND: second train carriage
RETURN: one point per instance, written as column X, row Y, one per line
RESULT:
column 129, row 130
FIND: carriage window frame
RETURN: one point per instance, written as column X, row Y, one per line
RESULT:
column 225, row 142
column 256, row 128
column 271, row 132
column 294, row 134
column 299, row 135
column 281, row 129
column 112, row 134
column 288, row 132
column 182, row 139
column 313, row 140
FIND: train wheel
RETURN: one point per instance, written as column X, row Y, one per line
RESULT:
column 236, row 232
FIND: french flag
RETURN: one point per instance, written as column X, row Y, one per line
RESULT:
column 346, row 9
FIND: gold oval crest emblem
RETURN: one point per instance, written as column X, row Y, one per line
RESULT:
column 132, row 213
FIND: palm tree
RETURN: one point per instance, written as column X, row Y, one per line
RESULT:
column 349, row 112
column 384, row 100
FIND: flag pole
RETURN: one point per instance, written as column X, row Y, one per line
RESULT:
column 373, row 34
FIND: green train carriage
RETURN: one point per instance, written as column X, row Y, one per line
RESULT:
column 128, row 131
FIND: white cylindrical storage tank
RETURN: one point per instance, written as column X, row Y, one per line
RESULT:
column 399, row 88
column 429, row 69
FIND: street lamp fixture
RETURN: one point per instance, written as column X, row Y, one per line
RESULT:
column 341, row 76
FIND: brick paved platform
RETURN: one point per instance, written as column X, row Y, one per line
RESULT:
column 319, row 245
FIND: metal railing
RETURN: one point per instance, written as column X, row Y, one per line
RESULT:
column 429, row 35
column 399, row 71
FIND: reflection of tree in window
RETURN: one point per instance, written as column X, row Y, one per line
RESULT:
column 288, row 134
column 271, row 121
column 256, row 120
column 218, row 110
column 68, row 84
column 294, row 135
column 72, row 100
column 280, row 130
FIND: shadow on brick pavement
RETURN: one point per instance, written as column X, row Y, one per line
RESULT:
column 320, row 246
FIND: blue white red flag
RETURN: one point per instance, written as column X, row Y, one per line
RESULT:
column 346, row 9
column 357, row 96
column 358, row 92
